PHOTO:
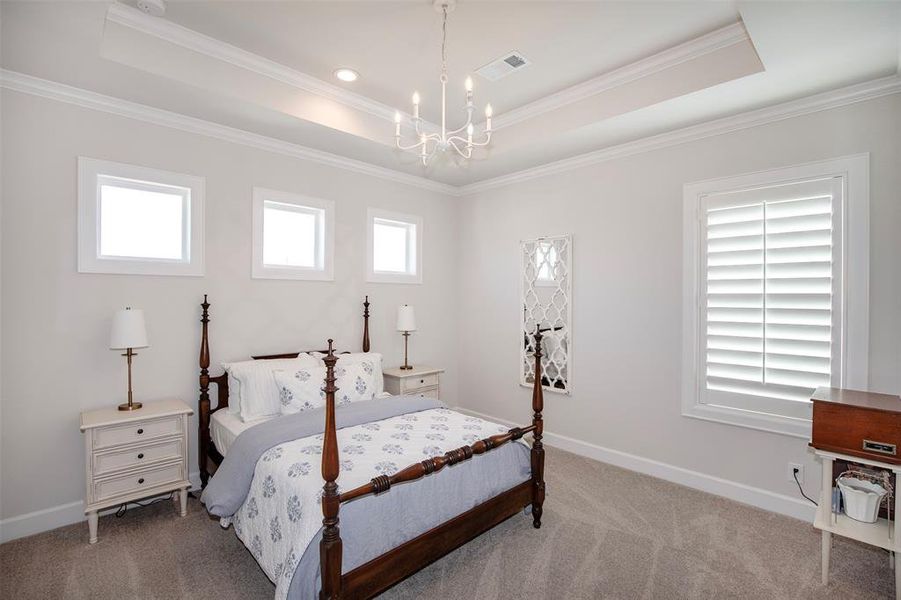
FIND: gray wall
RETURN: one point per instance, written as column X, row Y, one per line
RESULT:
column 55, row 321
column 626, row 219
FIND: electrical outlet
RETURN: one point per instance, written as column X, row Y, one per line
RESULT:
column 792, row 469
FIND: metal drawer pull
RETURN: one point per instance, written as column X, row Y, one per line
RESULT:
column 141, row 455
column 141, row 480
column 140, row 431
column 880, row 447
column 422, row 381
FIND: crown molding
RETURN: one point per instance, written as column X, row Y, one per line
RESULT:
column 193, row 40
column 28, row 84
column 861, row 92
column 666, row 59
column 869, row 90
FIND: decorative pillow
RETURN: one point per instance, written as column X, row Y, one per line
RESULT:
column 374, row 360
column 256, row 391
column 301, row 390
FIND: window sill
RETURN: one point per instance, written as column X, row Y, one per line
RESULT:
column 392, row 278
column 799, row 428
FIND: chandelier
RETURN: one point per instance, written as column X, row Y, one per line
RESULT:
column 427, row 145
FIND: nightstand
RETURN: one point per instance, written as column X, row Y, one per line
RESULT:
column 418, row 381
column 131, row 455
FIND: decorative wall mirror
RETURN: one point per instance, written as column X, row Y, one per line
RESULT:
column 547, row 306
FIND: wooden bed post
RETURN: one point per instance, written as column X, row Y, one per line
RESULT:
column 204, row 404
column 537, row 445
column 366, row 325
column 330, row 546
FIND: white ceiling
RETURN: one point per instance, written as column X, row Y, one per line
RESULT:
column 803, row 48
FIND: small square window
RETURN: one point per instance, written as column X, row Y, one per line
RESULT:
column 394, row 248
column 292, row 236
column 135, row 220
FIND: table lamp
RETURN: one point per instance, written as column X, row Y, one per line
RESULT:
column 128, row 333
column 406, row 322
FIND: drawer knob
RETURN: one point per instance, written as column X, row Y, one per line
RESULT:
column 141, row 455
column 422, row 381
column 141, row 480
column 140, row 431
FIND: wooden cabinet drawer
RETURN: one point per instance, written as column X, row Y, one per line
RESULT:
column 133, row 483
column 107, row 462
column 106, row 437
column 415, row 383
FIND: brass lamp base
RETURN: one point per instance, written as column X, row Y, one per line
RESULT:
column 130, row 406
column 406, row 366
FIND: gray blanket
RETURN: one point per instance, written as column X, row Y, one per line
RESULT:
column 228, row 488
column 371, row 525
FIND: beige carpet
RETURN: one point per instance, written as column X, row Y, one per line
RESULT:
column 608, row 533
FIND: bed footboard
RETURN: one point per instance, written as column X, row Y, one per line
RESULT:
column 386, row 570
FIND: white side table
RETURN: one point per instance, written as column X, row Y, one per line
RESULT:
column 131, row 455
column 883, row 533
column 418, row 381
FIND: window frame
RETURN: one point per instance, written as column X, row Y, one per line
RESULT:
column 414, row 247
column 853, row 248
column 325, row 230
column 92, row 174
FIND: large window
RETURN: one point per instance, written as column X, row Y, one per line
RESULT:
column 395, row 246
column 292, row 236
column 777, row 292
column 135, row 220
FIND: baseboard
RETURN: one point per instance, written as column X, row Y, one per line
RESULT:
column 746, row 494
column 57, row 516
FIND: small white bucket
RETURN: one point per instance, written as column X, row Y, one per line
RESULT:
column 861, row 498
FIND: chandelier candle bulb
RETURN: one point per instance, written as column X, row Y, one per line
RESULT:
column 415, row 105
column 397, row 124
column 469, row 129
column 488, row 113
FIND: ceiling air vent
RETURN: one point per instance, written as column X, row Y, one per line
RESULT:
column 503, row 66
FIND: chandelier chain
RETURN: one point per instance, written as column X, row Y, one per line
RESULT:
column 444, row 41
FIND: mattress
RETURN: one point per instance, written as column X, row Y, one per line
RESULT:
column 226, row 426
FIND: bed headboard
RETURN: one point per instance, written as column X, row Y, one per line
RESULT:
column 221, row 381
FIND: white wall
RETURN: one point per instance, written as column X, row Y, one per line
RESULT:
column 626, row 219
column 55, row 321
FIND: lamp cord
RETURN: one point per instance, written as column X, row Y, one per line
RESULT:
column 795, row 475
column 123, row 508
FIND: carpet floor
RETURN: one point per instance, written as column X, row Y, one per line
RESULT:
column 607, row 533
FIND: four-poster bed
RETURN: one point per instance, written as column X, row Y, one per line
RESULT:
column 388, row 568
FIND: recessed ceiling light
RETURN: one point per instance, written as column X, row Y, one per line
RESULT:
column 347, row 75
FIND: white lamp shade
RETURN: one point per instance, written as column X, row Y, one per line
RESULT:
column 406, row 319
column 128, row 330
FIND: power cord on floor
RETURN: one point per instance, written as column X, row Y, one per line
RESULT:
column 120, row 512
column 795, row 474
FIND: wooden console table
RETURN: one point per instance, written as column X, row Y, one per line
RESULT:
column 864, row 428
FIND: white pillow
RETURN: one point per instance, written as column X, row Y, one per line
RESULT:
column 257, row 393
column 373, row 358
column 301, row 389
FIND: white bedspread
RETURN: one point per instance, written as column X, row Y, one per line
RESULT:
column 282, row 512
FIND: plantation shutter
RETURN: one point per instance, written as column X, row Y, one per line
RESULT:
column 771, row 295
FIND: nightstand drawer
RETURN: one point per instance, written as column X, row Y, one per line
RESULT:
column 426, row 393
column 424, row 381
column 107, row 462
column 106, row 437
column 133, row 483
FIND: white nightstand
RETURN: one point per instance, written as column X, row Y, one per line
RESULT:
column 135, row 454
column 418, row 381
